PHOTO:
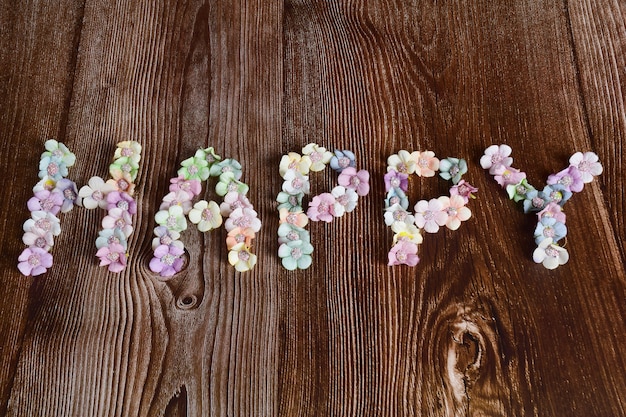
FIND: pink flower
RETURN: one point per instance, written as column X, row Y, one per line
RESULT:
column 464, row 189
column 322, row 207
column 118, row 218
column 403, row 252
column 296, row 218
column 112, row 256
column 505, row 175
column 587, row 163
column 46, row 200
column 496, row 156
column 553, row 210
column 191, row 187
column 232, row 201
column 358, row 181
column 429, row 215
column 454, row 207
column 244, row 218
column 122, row 201
column 167, row 260
column 425, row 163
column 34, row 261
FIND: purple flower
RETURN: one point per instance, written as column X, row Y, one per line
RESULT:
column 322, row 207
column 118, row 218
column 403, row 252
column 113, row 256
column 191, row 187
column 45, row 200
column 122, row 201
column 358, row 181
column 395, row 179
column 68, row 189
column 464, row 189
column 571, row 178
column 34, row 261
column 167, row 260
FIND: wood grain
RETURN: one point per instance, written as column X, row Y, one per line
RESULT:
column 475, row 329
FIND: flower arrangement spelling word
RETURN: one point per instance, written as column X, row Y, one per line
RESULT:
column 428, row 215
column 295, row 242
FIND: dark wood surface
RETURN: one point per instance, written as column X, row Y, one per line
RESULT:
column 477, row 328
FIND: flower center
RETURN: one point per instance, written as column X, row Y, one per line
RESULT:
column 322, row 207
column 97, row 195
column 293, row 235
column 402, row 168
column 33, row 260
column 355, row 181
column 316, row 156
column 57, row 153
column 344, row 162
column 584, row 166
column 394, row 200
column 343, row 200
column 232, row 186
column 548, row 232
column 297, row 183
column 120, row 223
column 552, row 252
column 243, row 222
column 123, row 184
column 127, row 152
column 127, row 168
column 429, row 215
column 166, row 240
column 296, row 253
column 47, row 204
column 193, row 170
column 44, row 224
column 452, row 211
column 401, row 256
column 244, row 256
column 556, row 196
column 122, row 204
column 538, row 202
column 113, row 256
column 293, row 200
column 168, row 259
column 496, row 158
column 53, row 169
column 292, row 218
column 422, row 162
column 227, row 168
column 399, row 215
column 455, row 170
column 395, row 182
column 185, row 186
column 207, row 215
column 566, row 180
column 240, row 237
column 521, row 190
column 69, row 194
column 40, row 242
column 171, row 222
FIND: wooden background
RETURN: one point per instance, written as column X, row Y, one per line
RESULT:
column 477, row 328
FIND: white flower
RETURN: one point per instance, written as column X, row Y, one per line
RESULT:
column 346, row 199
column 93, row 194
column 587, row 164
column 403, row 162
column 496, row 156
column 396, row 213
column 206, row 215
column 550, row 254
column 296, row 183
column 405, row 232
column 294, row 161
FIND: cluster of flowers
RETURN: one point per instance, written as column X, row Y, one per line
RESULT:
column 295, row 243
column 429, row 215
column 52, row 194
column 116, row 197
column 547, row 203
column 242, row 222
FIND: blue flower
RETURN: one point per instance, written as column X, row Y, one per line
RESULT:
column 557, row 193
column 397, row 196
column 342, row 159
column 549, row 227
column 452, row 169
column 536, row 200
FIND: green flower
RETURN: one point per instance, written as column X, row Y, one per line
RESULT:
column 226, row 169
column 194, row 168
column 228, row 185
column 517, row 192
column 172, row 218
column 124, row 164
column 292, row 202
column 296, row 254
column 452, row 169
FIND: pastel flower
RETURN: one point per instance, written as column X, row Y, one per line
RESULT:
column 396, row 196
column 93, row 194
column 296, row 218
column 120, row 183
column 322, row 207
column 288, row 233
column 34, row 261
column 295, row 183
column 519, row 191
column 426, row 164
column 52, row 167
column 456, row 210
column 43, row 221
column 45, row 200
column 124, row 165
column 295, row 254
column 557, row 193
column 179, row 198
column 394, row 179
column 68, row 189
column 464, row 189
column 292, row 202
column 244, row 218
column 227, row 169
column 536, row 200
column 452, row 169
column 209, row 154
column 46, row 183
column 233, row 201
column 194, row 168
column 128, row 149
column 167, row 260
column 342, row 159
column 38, row 238
column 345, row 197
column 429, row 215
column 405, row 232
column 294, row 161
column 58, row 151
column 358, row 181
column 107, row 237
column 402, row 162
column 549, row 227
column 318, row 155
column 206, row 215
column 553, row 210
column 230, row 185
column 588, row 165
column 113, row 256
column 239, row 235
column 118, row 219
column 166, row 237
column 508, row 175
column 396, row 213
column 173, row 218
column 570, row 178
column 550, row 254
column 122, row 201
column 403, row 253
column 241, row 258
column 191, row 187
column 496, row 156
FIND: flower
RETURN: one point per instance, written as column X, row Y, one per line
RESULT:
column 395, row 179
column 233, row 201
column 454, row 207
column 294, row 161
column 42, row 221
column 296, row 218
column 429, row 215
column 553, row 210
column 550, row 254
column 358, row 181
column 396, row 196
column 396, row 213
column 322, row 207
column 46, row 183
column 194, row 168
column 295, row 183
column 518, row 192
column 128, row 149
column 120, row 183
column 167, row 260
column 206, row 215
column 122, row 201
column 34, row 261
column 93, row 194
column 244, row 218
column 536, row 200
column 191, row 187
column 113, row 256
column 179, row 198
column 108, row 236
column 496, row 156
column 549, row 227
column 508, row 175
column 464, row 189
column 118, row 218
column 318, row 155
column 403, row 162
column 230, row 185
column 124, row 165
column 346, row 197
column 295, row 254
column 227, row 169
column 166, row 237
column 240, row 257
column 570, row 178
column 173, row 218
column 38, row 238
column 426, row 164
column 68, row 189
column 405, row 232
column 557, row 193
column 59, row 152
column 45, row 200
column 403, row 253
column 289, row 232
column 588, row 165
column 209, row 154
column 452, row 169
column 342, row 159
column 292, row 202
column 239, row 235
column 52, row 167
